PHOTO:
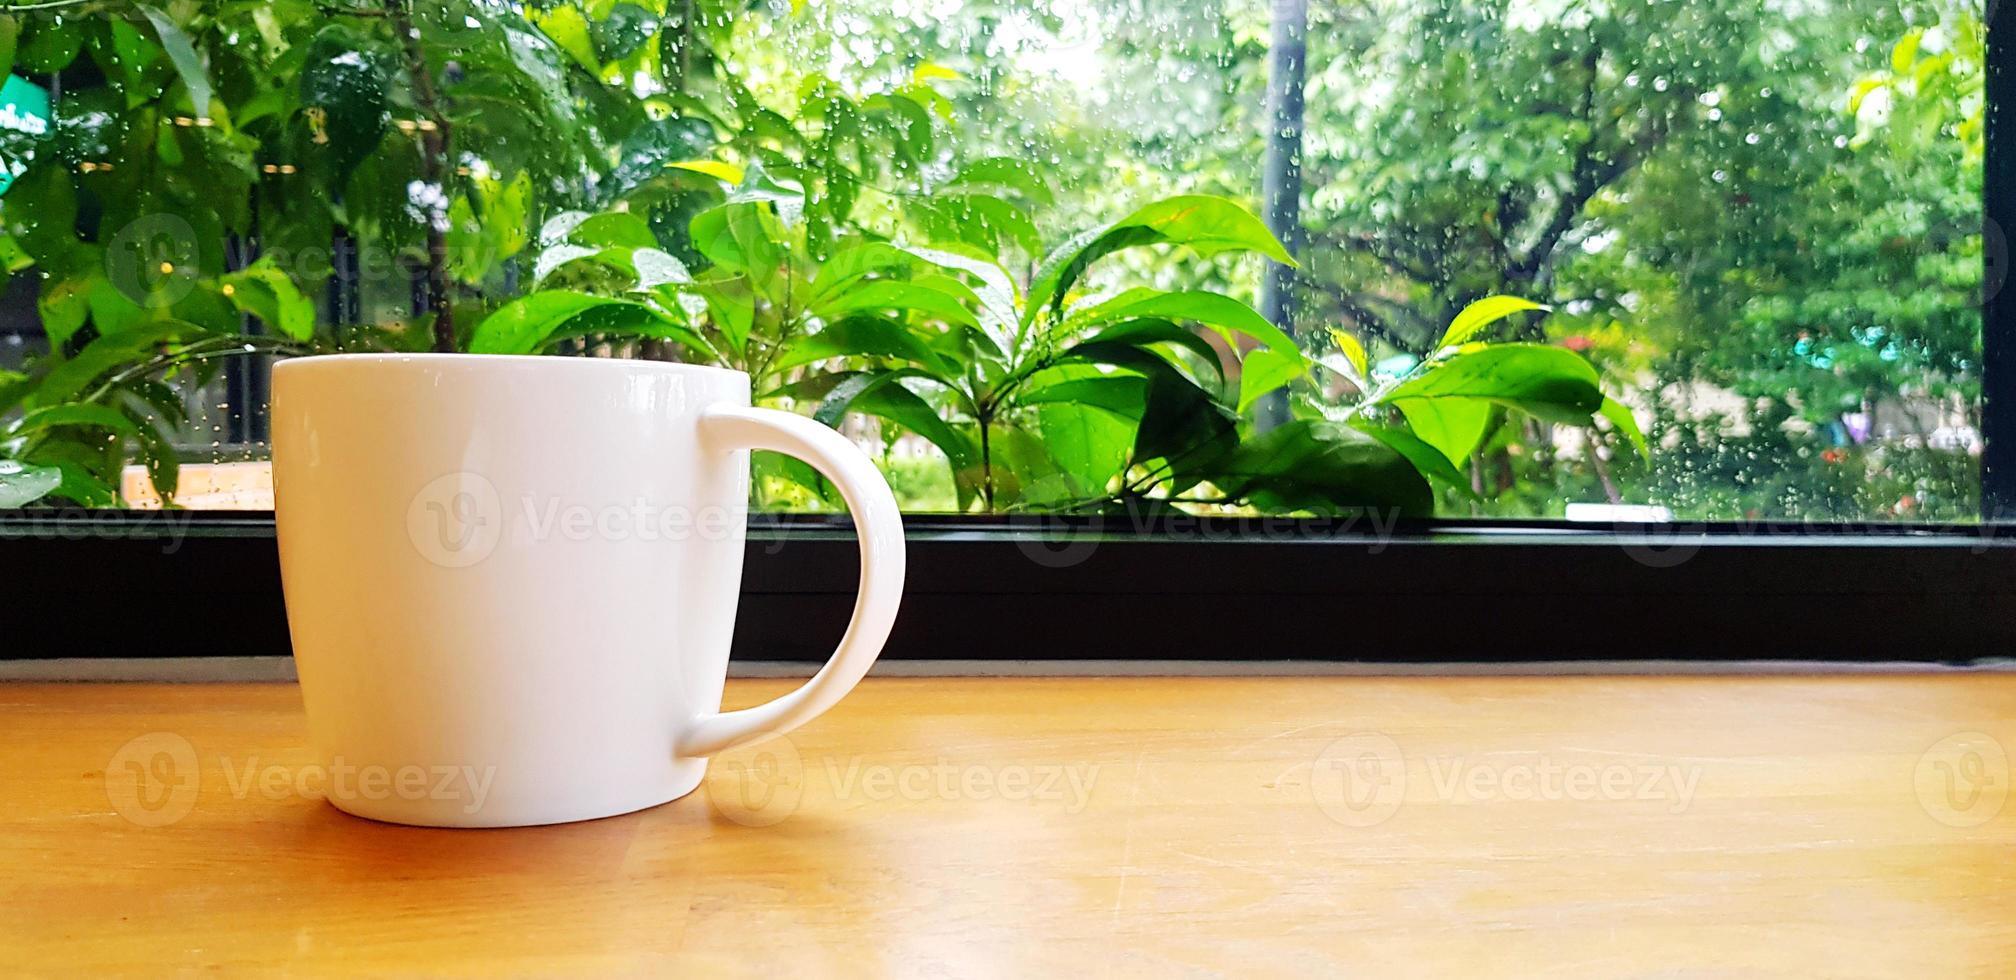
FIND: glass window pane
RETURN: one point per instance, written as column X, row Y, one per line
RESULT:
column 1026, row 251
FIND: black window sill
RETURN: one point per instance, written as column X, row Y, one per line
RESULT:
column 181, row 584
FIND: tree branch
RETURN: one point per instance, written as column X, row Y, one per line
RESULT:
column 1424, row 267
column 1588, row 177
column 1358, row 308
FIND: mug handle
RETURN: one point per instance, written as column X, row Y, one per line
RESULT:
column 877, row 522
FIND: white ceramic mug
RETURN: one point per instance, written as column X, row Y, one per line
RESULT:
column 511, row 581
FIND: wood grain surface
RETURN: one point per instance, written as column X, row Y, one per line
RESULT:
column 1164, row 827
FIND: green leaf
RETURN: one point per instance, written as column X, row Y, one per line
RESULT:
column 343, row 81
column 471, row 252
column 523, row 326
column 645, row 153
column 557, row 228
column 156, row 400
column 623, row 30
column 983, row 222
column 49, row 44
column 655, row 268
column 507, row 210
column 616, row 323
column 650, row 267
column 1426, row 458
column 14, row 388
column 846, row 387
column 764, row 246
column 880, row 393
column 909, row 124
column 758, row 186
column 1210, row 225
column 994, row 294
column 617, row 228
column 725, row 172
column 1182, row 423
column 560, row 256
column 1454, row 426
column 1123, row 345
column 1089, row 444
column 942, row 297
column 40, row 212
column 1265, row 370
column 1620, row 416
column 71, row 376
column 1548, row 382
column 908, row 409
column 536, row 69
column 732, row 306
column 1325, row 468
column 1008, row 172
column 83, row 414
column 263, row 290
column 10, row 36
column 1124, row 395
column 568, row 29
column 765, row 466
column 1354, row 354
column 1226, row 315
column 83, row 486
column 133, row 63
column 65, row 305
column 1906, row 51
column 714, row 234
column 22, row 484
column 182, row 53
column 1481, row 314
column 848, row 264
column 863, row 336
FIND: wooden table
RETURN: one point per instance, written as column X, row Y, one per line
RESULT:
column 1600, row 827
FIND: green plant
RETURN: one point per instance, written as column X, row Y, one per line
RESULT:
column 80, row 418
column 1041, row 394
column 820, row 246
column 410, row 132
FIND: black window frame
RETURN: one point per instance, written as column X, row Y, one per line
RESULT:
column 131, row 584
column 98, row 584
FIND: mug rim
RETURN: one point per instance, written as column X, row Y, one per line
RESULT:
column 438, row 359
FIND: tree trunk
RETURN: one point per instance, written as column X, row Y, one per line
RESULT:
column 435, row 141
column 1281, row 176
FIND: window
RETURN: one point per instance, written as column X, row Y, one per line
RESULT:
column 1706, row 261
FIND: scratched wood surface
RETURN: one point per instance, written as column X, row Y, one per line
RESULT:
column 1598, row 827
